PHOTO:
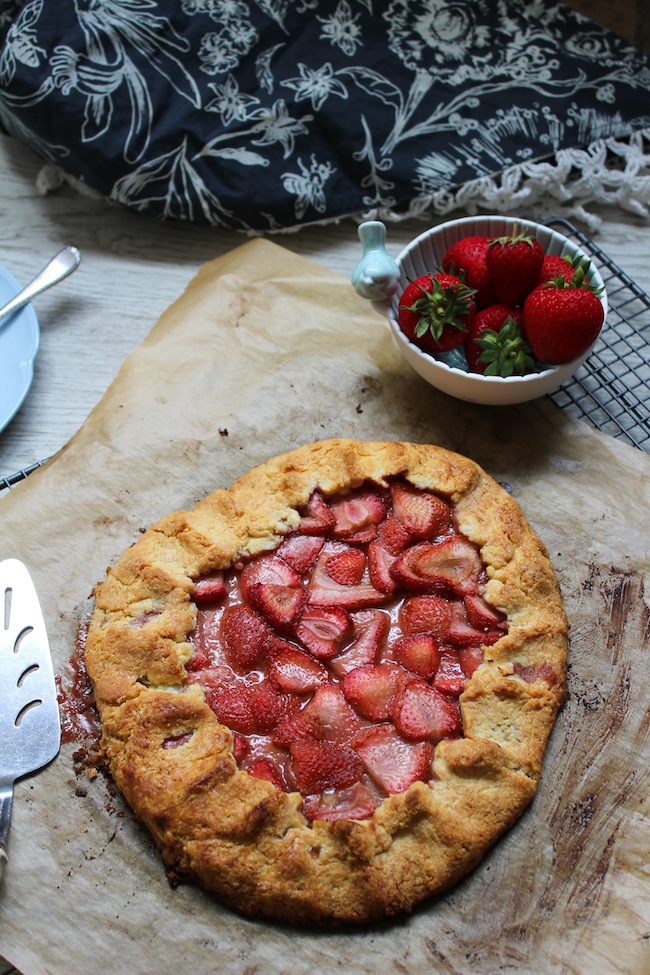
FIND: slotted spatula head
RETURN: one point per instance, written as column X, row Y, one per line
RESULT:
column 30, row 727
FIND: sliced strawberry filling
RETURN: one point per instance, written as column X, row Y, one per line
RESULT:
column 318, row 517
column 370, row 629
column 322, row 630
column 266, row 768
column 300, row 551
column 418, row 653
column 371, row 690
column 421, row 712
column 450, row 678
column 354, row 803
column 280, row 605
column 245, row 637
column 210, row 588
column 325, row 590
column 337, row 660
column 268, row 570
column 426, row 614
column 322, row 765
column 244, row 706
column 393, row 763
column 293, row 671
column 422, row 513
column 452, row 565
column 357, row 515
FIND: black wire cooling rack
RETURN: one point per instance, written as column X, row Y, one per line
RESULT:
column 611, row 390
column 7, row 482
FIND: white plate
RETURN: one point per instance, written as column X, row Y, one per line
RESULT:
column 19, row 338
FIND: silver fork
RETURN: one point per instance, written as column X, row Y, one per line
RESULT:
column 61, row 265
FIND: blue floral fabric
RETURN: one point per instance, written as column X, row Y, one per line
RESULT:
column 275, row 113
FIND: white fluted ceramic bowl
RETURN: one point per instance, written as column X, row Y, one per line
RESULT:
column 424, row 255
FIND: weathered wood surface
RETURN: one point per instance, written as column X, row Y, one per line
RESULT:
column 565, row 890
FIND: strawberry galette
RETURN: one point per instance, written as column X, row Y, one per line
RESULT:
column 328, row 690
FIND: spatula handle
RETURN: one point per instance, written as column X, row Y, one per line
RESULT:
column 6, row 799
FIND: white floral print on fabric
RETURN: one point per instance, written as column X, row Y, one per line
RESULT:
column 266, row 114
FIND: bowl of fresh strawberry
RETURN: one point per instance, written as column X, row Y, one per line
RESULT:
column 496, row 310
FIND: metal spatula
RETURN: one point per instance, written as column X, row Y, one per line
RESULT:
column 30, row 727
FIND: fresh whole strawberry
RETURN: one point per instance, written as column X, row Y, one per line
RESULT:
column 467, row 260
column 435, row 312
column 554, row 266
column 562, row 320
column 495, row 345
column 514, row 263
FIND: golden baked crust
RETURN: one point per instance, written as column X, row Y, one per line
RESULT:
column 241, row 837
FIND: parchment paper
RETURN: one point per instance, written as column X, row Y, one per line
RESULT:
column 263, row 352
